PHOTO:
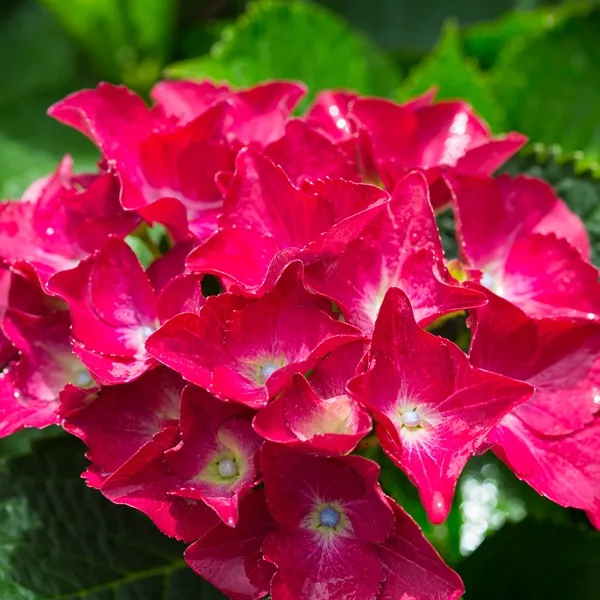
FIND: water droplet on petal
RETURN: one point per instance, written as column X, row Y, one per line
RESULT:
column 49, row 230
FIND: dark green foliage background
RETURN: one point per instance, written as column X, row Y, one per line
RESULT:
column 523, row 64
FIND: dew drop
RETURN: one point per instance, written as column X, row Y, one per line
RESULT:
column 49, row 230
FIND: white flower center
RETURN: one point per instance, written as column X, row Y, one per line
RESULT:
column 411, row 418
column 267, row 370
column 227, row 468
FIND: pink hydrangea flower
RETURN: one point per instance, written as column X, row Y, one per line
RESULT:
column 437, row 138
column 235, row 422
column 231, row 558
column 334, row 525
column 60, row 220
column 530, row 248
column 41, row 370
column 115, row 309
column 247, row 350
column 317, row 415
column 550, row 441
column 401, row 248
column 215, row 461
column 434, row 410
column 268, row 223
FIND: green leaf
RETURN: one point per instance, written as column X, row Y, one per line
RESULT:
column 409, row 27
column 456, row 76
column 62, row 541
column 20, row 443
column 485, row 41
column 32, row 144
column 293, row 40
column 578, row 187
column 550, row 86
column 535, row 561
column 128, row 40
column 26, row 66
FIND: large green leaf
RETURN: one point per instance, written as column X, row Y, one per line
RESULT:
column 550, row 86
column 128, row 40
column 62, row 541
column 31, row 144
column 26, row 65
column 485, row 41
column 293, row 40
column 456, row 76
column 535, row 560
column 409, row 27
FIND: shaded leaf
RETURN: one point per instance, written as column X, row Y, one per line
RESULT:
column 69, row 542
column 408, row 27
column 485, row 41
column 535, row 561
column 128, row 40
column 550, row 86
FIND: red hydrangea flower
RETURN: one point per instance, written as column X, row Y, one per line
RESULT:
column 434, row 410
column 400, row 248
column 113, row 307
column 127, row 429
column 231, row 558
column 531, row 248
column 334, row 523
column 247, row 350
column 215, row 462
column 268, row 222
column 317, row 415
column 552, row 440
column 122, row 422
column 61, row 219
column 255, row 116
column 435, row 138
column 330, row 114
column 41, row 369
column 156, row 153
column 156, row 161
column 306, row 153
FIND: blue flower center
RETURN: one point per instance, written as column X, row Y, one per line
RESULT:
column 329, row 517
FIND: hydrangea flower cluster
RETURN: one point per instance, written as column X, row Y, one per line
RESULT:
column 233, row 420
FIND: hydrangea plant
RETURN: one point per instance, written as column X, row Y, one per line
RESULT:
column 289, row 321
